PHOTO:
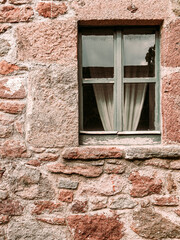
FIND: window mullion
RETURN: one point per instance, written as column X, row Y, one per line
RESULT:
column 139, row 80
column 115, row 81
column 97, row 80
column 119, row 83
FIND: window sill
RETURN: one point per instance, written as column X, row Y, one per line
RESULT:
column 120, row 138
column 125, row 152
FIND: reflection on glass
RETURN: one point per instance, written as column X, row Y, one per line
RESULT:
column 139, row 107
column 97, row 56
column 98, row 107
column 139, row 55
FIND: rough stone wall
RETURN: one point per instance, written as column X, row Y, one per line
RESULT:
column 50, row 188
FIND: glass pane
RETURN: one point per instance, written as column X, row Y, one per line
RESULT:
column 98, row 107
column 139, row 55
column 139, row 107
column 97, row 56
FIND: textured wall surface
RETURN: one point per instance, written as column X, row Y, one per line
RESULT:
column 50, row 187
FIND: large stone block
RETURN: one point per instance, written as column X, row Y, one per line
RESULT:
column 48, row 42
column 53, row 106
column 171, row 108
column 176, row 7
column 25, row 228
column 103, row 9
column 170, row 45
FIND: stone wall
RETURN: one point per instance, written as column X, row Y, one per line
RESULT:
column 51, row 188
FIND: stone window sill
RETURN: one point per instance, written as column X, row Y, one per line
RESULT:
column 125, row 152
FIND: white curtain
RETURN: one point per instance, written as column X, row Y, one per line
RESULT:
column 133, row 104
column 104, row 99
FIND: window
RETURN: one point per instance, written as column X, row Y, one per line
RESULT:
column 119, row 83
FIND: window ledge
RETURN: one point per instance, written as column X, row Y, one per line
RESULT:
column 140, row 139
column 125, row 152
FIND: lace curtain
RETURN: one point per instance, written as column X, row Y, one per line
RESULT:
column 133, row 104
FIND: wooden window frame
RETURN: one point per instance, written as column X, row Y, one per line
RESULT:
column 120, row 136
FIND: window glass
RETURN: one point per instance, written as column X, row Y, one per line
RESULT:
column 139, row 55
column 98, row 107
column 97, row 56
column 139, row 107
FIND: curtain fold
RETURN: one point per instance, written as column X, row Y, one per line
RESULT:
column 133, row 104
column 134, row 95
column 104, row 99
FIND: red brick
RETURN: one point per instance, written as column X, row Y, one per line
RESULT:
column 4, row 219
column 4, row 28
column 143, row 185
column 12, row 107
column 96, row 227
column 7, row 68
column 92, row 153
column 79, row 207
column 11, row 208
column 156, row 162
column 34, row 163
column 86, row 170
column 13, row 14
column 46, row 206
column 48, row 157
column 12, row 88
column 66, row 196
column 51, row 10
column 166, row 201
column 52, row 221
column 171, row 108
column 12, row 149
column 170, row 46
